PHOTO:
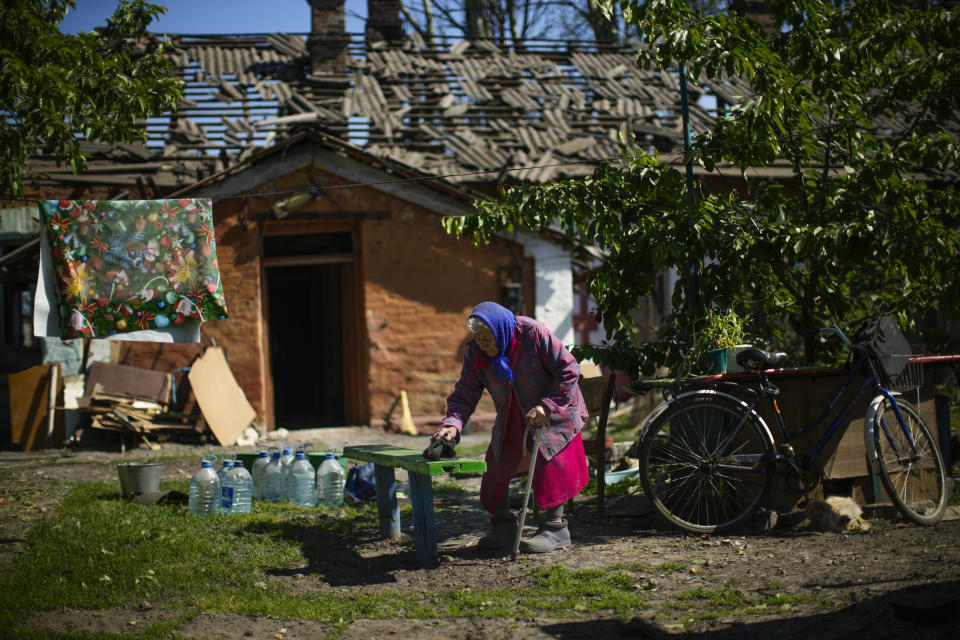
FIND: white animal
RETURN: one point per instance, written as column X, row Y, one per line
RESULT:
column 836, row 513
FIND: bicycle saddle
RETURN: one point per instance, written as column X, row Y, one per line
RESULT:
column 757, row 359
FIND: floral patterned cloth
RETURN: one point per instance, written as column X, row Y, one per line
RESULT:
column 134, row 265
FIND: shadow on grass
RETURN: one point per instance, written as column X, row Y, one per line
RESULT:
column 332, row 554
column 925, row 612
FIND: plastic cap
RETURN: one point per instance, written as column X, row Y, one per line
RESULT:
column 331, row 456
column 206, row 463
column 238, row 463
column 301, row 455
column 264, row 454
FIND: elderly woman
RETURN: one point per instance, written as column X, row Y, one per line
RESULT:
column 532, row 379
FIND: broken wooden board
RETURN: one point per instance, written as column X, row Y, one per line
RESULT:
column 126, row 381
column 222, row 402
column 30, row 405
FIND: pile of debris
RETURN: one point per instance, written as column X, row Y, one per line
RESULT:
column 134, row 406
column 137, row 404
column 142, row 419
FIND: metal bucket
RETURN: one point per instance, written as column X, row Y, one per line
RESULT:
column 139, row 477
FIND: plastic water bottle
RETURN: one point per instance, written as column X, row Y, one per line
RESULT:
column 286, row 458
column 257, row 471
column 330, row 481
column 205, row 489
column 287, row 455
column 225, row 465
column 272, row 488
column 237, row 489
column 301, row 479
column 228, row 485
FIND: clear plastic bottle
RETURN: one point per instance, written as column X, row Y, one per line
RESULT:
column 228, row 486
column 286, row 453
column 286, row 457
column 205, row 489
column 257, row 471
column 330, row 481
column 272, row 488
column 239, row 482
column 227, row 460
column 301, row 479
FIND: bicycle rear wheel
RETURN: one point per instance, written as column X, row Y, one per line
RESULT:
column 705, row 463
column 911, row 467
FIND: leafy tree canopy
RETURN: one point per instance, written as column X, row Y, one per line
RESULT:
column 57, row 89
column 860, row 101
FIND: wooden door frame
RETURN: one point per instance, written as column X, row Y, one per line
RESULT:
column 352, row 302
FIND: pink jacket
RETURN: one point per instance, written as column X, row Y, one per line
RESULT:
column 544, row 373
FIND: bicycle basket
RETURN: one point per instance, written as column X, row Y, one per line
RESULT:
column 887, row 347
column 910, row 378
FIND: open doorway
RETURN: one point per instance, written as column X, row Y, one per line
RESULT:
column 306, row 280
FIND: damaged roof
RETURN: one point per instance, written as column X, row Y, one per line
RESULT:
column 472, row 112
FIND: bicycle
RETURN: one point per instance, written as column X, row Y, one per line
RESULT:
column 707, row 456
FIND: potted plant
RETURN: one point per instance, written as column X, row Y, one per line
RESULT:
column 721, row 332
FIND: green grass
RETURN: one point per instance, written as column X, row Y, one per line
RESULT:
column 723, row 599
column 625, row 427
column 707, row 604
column 442, row 488
column 96, row 552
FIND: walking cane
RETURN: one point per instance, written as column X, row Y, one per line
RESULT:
column 526, row 494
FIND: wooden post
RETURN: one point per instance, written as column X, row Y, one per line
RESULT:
column 421, row 495
column 693, row 268
column 387, row 507
column 52, row 402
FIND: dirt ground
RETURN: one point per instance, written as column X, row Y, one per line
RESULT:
column 896, row 580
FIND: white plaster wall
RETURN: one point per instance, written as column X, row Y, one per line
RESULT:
column 553, row 284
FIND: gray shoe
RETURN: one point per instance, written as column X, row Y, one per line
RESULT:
column 503, row 531
column 547, row 538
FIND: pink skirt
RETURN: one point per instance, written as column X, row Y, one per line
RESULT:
column 554, row 481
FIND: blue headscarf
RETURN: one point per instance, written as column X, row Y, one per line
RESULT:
column 501, row 321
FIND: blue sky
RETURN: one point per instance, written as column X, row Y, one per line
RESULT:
column 216, row 16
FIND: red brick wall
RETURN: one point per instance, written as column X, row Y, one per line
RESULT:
column 420, row 284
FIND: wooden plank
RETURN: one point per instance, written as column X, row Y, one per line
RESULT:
column 29, row 406
column 123, row 380
column 849, row 460
column 392, row 456
column 222, row 402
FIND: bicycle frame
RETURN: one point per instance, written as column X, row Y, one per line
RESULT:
column 870, row 381
column 767, row 389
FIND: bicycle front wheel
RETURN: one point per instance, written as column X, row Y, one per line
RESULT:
column 706, row 463
column 911, row 467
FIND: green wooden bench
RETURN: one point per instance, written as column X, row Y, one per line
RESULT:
column 386, row 458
